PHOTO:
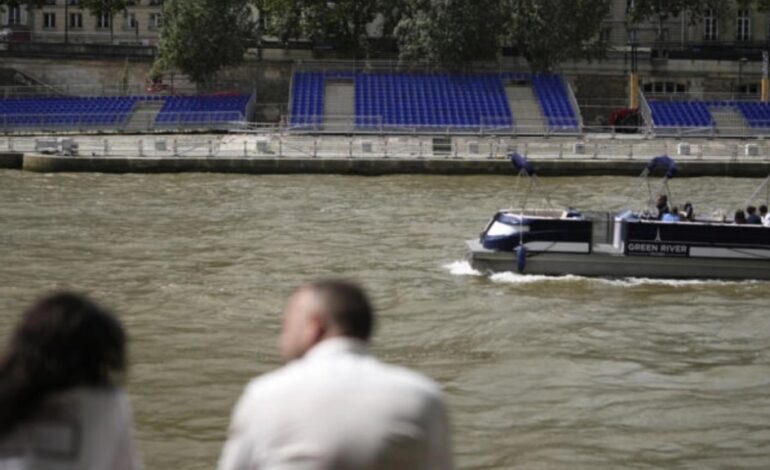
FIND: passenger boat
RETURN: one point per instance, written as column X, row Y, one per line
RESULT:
column 620, row 244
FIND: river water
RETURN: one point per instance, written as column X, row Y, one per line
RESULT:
column 538, row 372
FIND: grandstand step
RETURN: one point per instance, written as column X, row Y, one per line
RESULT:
column 339, row 105
column 729, row 121
column 527, row 115
column 143, row 116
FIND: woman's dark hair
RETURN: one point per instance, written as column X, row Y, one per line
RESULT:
column 64, row 341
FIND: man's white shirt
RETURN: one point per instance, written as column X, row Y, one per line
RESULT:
column 339, row 408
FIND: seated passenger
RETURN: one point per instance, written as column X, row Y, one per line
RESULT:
column 740, row 217
column 689, row 214
column 764, row 215
column 752, row 217
column 662, row 206
column 672, row 216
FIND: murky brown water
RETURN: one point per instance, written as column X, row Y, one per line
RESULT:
column 539, row 373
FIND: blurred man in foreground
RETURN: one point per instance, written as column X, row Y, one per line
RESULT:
column 334, row 406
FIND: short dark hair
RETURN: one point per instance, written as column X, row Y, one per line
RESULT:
column 347, row 305
column 751, row 210
column 763, row 209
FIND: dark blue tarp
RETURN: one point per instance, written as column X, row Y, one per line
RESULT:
column 665, row 162
column 521, row 163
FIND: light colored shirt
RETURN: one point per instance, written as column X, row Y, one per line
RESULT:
column 80, row 429
column 668, row 217
column 339, row 408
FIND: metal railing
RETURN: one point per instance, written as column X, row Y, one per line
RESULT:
column 279, row 145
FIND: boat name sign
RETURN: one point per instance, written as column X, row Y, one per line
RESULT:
column 648, row 248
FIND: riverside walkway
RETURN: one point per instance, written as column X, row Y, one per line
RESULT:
column 276, row 153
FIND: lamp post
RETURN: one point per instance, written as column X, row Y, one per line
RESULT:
column 633, row 85
column 741, row 62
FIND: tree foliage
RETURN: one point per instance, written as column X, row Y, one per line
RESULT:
column 200, row 37
column 449, row 32
column 661, row 10
column 546, row 32
column 106, row 7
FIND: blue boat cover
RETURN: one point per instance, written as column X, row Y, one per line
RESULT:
column 665, row 162
column 521, row 163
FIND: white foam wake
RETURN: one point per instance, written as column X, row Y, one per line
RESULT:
column 461, row 268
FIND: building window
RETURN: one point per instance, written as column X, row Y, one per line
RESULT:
column 49, row 20
column 103, row 21
column 751, row 89
column 156, row 21
column 76, row 21
column 743, row 29
column 131, row 24
column 14, row 14
column 663, row 87
column 710, row 25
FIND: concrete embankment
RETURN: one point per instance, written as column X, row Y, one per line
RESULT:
column 11, row 160
column 366, row 166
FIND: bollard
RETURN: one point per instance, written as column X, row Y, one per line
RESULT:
column 106, row 147
column 315, row 148
column 211, row 148
column 385, row 148
column 421, row 149
column 735, row 152
column 245, row 148
column 596, row 150
column 140, row 146
column 280, row 147
column 526, row 150
column 454, row 149
column 10, row 144
column 350, row 148
column 561, row 151
column 175, row 147
column 631, row 151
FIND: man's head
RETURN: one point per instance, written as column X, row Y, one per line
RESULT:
column 763, row 210
column 321, row 310
column 751, row 210
column 662, row 200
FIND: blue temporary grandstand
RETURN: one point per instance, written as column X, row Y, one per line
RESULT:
column 113, row 113
column 431, row 101
column 681, row 114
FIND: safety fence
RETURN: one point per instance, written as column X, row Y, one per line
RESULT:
column 282, row 145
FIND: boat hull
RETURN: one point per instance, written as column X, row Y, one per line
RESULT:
column 606, row 262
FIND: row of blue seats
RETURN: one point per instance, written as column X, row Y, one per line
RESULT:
column 434, row 99
column 109, row 111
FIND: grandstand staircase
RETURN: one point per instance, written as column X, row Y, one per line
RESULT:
column 729, row 121
column 527, row 115
column 339, row 105
column 143, row 116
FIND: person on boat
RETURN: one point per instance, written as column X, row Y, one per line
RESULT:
column 689, row 213
column 752, row 217
column 334, row 405
column 662, row 206
column 61, row 404
column 764, row 215
column 672, row 216
column 740, row 217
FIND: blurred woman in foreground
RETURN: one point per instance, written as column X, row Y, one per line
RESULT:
column 61, row 405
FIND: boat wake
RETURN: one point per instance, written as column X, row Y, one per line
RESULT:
column 461, row 268
column 464, row 268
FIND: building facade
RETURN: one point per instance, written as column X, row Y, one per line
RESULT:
column 65, row 21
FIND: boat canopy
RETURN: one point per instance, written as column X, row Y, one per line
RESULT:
column 665, row 162
column 522, row 164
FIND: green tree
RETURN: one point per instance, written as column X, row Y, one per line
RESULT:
column 339, row 23
column 448, row 32
column 200, row 37
column 547, row 32
column 106, row 7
